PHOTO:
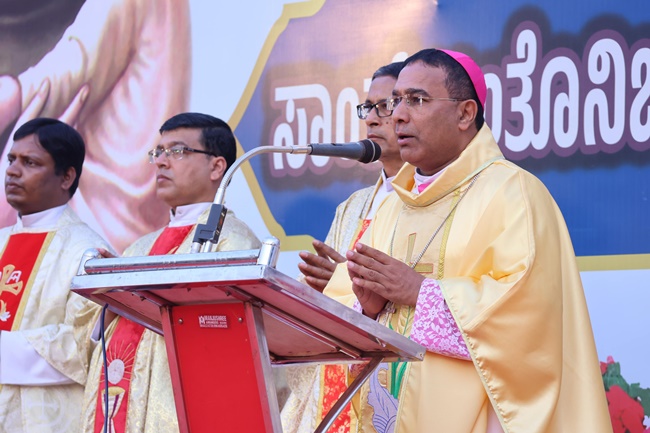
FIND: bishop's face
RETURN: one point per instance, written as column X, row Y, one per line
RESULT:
column 428, row 134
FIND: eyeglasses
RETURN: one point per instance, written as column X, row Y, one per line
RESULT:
column 174, row 152
column 381, row 108
column 413, row 101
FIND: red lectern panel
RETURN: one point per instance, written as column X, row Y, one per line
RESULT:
column 212, row 384
column 226, row 319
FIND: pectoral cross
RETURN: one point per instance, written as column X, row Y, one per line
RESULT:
column 421, row 268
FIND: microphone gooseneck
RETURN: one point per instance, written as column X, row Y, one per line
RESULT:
column 207, row 235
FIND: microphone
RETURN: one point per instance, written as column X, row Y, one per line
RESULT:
column 207, row 235
column 364, row 151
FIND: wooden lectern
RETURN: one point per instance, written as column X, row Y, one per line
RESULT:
column 227, row 317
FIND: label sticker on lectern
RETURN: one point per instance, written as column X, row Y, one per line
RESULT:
column 213, row 321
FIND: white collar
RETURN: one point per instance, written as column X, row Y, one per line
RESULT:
column 38, row 220
column 385, row 188
column 187, row 214
column 421, row 179
column 386, row 182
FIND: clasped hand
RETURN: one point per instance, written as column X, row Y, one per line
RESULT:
column 318, row 268
column 378, row 278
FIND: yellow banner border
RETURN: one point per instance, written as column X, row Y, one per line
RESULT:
column 619, row 262
column 290, row 11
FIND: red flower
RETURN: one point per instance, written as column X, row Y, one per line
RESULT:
column 603, row 368
column 626, row 413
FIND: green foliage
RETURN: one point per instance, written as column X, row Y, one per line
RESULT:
column 642, row 394
column 613, row 377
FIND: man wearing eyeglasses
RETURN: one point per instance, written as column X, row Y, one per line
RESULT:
column 312, row 386
column 472, row 259
column 194, row 152
column 354, row 214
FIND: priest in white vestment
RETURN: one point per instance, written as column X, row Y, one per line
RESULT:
column 194, row 152
column 43, row 359
column 316, row 388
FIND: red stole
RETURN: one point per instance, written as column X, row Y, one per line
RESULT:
column 169, row 240
column 19, row 263
column 123, row 347
column 364, row 226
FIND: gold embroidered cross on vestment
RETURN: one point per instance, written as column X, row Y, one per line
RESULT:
column 413, row 263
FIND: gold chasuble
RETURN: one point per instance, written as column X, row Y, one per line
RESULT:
column 37, row 306
column 149, row 404
column 505, row 263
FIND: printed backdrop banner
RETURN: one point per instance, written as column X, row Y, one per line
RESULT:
column 568, row 100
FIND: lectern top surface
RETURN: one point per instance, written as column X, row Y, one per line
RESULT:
column 301, row 324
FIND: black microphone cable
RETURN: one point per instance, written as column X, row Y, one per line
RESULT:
column 103, row 339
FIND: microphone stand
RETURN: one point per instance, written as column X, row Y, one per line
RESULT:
column 207, row 235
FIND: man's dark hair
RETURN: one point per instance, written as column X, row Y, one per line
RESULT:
column 216, row 136
column 390, row 70
column 61, row 141
column 457, row 82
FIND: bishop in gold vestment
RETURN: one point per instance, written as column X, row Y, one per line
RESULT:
column 505, row 265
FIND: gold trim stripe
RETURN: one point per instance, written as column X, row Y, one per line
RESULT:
column 20, row 312
column 621, row 262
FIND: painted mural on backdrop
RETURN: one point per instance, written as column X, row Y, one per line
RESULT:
column 570, row 105
column 114, row 70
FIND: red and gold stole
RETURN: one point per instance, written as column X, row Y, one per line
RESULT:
column 364, row 226
column 334, row 377
column 123, row 346
column 169, row 240
column 20, row 261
